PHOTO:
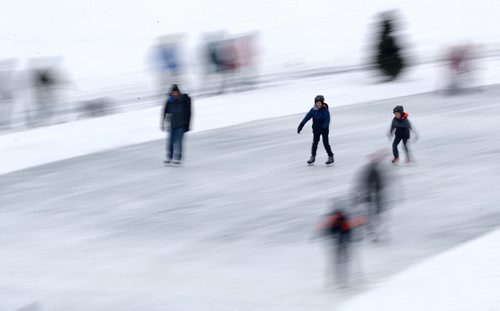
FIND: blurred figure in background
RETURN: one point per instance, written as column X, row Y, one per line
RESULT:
column 401, row 128
column 176, row 119
column 212, row 62
column 168, row 57
column 209, row 48
column 370, row 193
column 321, row 125
column 340, row 227
column 46, row 80
column 227, row 63
column 460, row 68
column 247, row 52
column 7, row 70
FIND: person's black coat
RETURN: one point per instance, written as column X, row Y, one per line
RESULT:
column 177, row 110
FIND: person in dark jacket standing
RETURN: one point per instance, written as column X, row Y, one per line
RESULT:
column 321, row 124
column 401, row 128
column 175, row 118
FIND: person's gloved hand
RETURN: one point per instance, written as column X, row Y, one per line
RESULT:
column 300, row 128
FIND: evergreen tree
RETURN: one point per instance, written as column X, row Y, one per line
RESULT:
column 388, row 58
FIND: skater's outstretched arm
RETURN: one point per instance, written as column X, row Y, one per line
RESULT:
column 304, row 121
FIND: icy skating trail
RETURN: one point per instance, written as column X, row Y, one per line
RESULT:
column 44, row 145
column 229, row 230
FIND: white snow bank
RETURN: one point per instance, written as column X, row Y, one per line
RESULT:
column 464, row 278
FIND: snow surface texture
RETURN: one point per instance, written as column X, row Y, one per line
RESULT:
column 464, row 278
column 116, row 231
column 230, row 229
column 43, row 145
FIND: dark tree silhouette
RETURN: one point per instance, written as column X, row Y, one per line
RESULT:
column 388, row 56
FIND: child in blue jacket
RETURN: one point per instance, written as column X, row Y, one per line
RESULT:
column 321, row 124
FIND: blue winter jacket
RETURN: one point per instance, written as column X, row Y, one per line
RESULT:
column 321, row 119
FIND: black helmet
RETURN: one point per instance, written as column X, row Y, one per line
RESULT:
column 320, row 98
column 399, row 109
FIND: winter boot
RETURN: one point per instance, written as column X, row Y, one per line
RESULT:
column 311, row 160
column 330, row 160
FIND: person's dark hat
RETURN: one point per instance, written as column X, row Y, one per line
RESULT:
column 174, row 88
column 320, row 98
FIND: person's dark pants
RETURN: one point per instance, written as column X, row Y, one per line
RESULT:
column 326, row 143
column 174, row 143
column 395, row 144
column 342, row 256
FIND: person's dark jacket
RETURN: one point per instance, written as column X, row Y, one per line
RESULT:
column 401, row 126
column 177, row 111
column 321, row 119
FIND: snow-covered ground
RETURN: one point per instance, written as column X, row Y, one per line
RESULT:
column 464, row 278
column 230, row 229
column 110, row 228
column 43, row 145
